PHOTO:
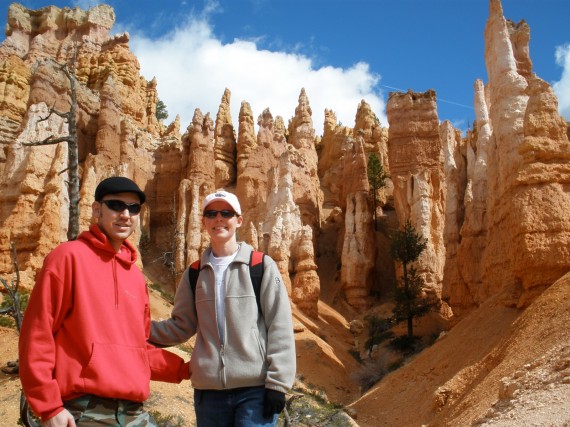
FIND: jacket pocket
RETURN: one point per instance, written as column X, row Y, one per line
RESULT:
column 117, row 371
column 260, row 344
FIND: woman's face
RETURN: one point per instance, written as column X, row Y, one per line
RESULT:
column 219, row 228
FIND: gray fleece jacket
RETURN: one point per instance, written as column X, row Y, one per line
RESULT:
column 258, row 350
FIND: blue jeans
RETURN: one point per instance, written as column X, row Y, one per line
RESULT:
column 238, row 407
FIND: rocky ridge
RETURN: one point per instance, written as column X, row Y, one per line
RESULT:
column 492, row 204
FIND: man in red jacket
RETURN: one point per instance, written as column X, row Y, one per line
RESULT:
column 84, row 356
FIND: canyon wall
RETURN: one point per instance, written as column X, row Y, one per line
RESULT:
column 515, row 233
column 491, row 203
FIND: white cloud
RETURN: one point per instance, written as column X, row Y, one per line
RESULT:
column 193, row 68
column 562, row 87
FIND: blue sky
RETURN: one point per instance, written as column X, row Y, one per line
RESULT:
column 340, row 51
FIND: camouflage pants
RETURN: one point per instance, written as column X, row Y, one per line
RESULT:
column 95, row 411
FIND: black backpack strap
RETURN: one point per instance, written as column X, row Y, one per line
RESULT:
column 256, row 273
column 193, row 272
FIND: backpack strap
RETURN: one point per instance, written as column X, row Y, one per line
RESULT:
column 255, row 273
column 193, row 273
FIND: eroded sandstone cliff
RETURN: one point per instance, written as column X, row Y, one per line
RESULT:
column 492, row 203
column 305, row 196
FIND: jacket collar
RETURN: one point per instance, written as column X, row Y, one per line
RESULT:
column 242, row 255
column 96, row 238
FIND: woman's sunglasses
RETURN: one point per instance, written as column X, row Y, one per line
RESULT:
column 225, row 214
column 120, row 206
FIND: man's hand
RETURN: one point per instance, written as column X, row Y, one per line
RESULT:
column 62, row 419
column 274, row 402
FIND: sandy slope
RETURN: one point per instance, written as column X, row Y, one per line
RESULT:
column 520, row 356
column 9, row 384
column 498, row 367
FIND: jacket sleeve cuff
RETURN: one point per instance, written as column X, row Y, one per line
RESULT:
column 48, row 415
column 184, row 372
column 273, row 386
column 168, row 367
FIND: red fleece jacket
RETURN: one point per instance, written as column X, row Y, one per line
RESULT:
column 86, row 327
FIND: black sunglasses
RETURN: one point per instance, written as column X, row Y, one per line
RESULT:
column 225, row 213
column 120, row 206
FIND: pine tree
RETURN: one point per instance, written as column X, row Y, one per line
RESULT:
column 161, row 113
column 377, row 179
column 405, row 248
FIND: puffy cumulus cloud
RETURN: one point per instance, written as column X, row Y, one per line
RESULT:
column 562, row 87
column 193, row 68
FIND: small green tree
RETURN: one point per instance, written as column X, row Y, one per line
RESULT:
column 377, row 179
column 405, row 248
column 161, row 113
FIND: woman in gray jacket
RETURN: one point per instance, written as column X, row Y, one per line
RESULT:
column 243, row 361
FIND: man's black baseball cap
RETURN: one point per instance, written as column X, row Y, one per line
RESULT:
column 118, row 184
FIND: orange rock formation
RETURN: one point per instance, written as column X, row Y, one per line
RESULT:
column 493, row 204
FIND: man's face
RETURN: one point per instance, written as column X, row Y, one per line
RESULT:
column 117, row 225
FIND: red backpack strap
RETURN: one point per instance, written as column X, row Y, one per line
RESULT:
column 256, row 258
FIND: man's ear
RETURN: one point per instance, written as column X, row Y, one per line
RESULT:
column 96, row 209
